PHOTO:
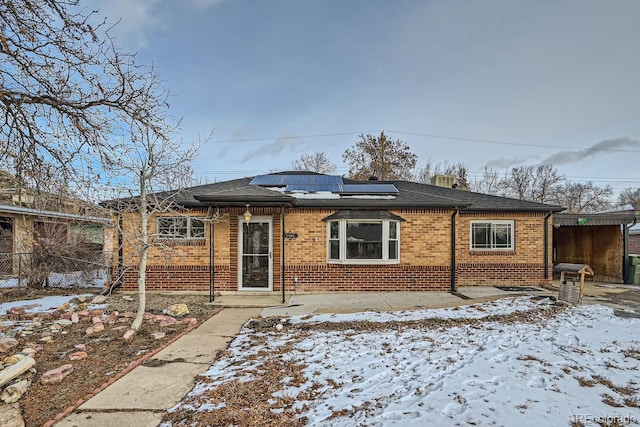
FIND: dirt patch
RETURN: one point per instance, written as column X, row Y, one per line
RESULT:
column 108, row 355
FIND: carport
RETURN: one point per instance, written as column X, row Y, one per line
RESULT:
column 599, row 240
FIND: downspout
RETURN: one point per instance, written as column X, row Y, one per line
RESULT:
column 120, row 252
column 546, row 244
column 453, row 248
column 282, row 251
column 212, row 291
column 625, row 253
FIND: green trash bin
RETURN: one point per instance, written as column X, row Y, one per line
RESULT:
column 634, row 269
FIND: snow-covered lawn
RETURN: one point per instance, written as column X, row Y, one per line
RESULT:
column 516, row 361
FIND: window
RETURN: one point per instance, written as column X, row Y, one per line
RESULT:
column 492, row 235
column 353, row 241
column 180, row 227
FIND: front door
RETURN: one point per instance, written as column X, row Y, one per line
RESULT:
column 255, row 263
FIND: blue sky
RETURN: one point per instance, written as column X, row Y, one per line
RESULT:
column 554, row 81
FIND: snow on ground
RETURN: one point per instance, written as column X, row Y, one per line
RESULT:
column 47, row 303
column 577, row 366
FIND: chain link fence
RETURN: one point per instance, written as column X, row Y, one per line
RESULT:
column 56, row 269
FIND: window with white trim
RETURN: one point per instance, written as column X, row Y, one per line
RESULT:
column 364, row 241
column 180, row 227
column 492, row 235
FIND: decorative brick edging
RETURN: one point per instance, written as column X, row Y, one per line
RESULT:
column 125, row 371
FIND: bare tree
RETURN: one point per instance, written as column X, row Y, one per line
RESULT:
column 151, row 160
column 545, row 184
column 57, row 248
column 629, row 196
column 582, row 198
column 381, row 157
column 490, row 183
column 314, row 162
column 534, row 183
column 66, row 90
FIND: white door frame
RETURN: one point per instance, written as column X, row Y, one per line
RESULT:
column 241, row 226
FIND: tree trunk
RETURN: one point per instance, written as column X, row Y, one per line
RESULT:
column 142, row 263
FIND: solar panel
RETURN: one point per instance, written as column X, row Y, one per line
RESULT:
column 369, row 189
column 315, row 183
column 298, row 180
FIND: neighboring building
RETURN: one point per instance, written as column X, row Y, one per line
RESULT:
column 634, row 241
column 307, row 232
column 21, row 229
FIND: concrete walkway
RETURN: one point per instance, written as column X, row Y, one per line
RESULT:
column 141, row 397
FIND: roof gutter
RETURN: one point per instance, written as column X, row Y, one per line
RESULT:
column 51, row 214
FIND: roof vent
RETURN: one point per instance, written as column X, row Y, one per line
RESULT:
column 373, row 178
column 443, row 180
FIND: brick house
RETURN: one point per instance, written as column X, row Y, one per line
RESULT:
column 305, row 232
column 634, row 241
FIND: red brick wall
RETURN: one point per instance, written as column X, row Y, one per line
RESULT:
column 371, row 278
column 634, row 244
column 425, row 255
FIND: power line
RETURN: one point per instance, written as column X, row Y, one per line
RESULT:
column 488, row 141
column 320, row 135
column 426, row 135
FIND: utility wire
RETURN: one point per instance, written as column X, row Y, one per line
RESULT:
column 426, row 135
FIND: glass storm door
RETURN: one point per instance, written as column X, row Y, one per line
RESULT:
column 255, row 254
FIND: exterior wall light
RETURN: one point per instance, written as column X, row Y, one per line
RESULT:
column 247, row 215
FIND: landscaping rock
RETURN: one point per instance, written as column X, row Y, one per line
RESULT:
column 178, row 310
column 10, row 360
column 45, row 339
column 190, row 321
column 158, row 335
column 128, row 336
column 78, row 300
column 15, row 313
column 168, row 321
column 63, row 322
column 99, row 327
column 7, row 344
column 14, row 392
column 56, row 375
column 99, row 299
column 78, row 355
column 113, row 316
column 11, row 372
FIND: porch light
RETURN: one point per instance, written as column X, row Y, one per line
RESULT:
column 247, row 215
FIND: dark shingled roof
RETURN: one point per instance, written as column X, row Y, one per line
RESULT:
column 238, row 192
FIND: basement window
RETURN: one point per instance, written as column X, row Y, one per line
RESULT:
column 492, row 235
